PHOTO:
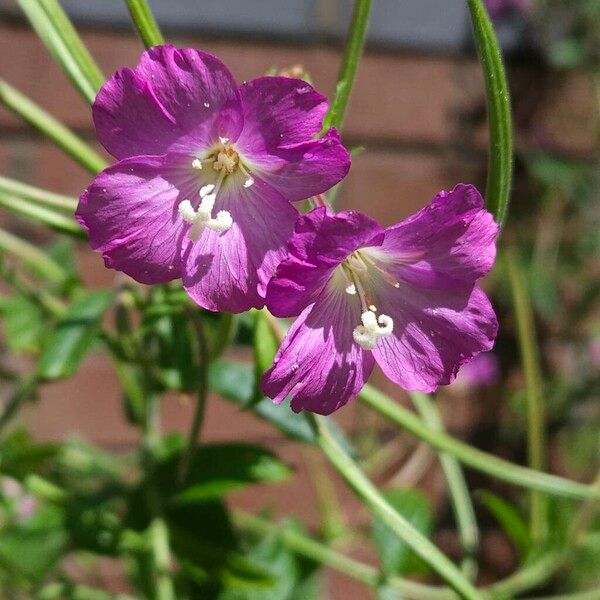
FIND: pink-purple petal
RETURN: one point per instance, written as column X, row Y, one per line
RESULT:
column 279, row 111
column 299, row 171
column 229, row 271
column 318, row 366
column 448, row 244
column 435, row 331
column 174, row 100
column 321, row 241
column 130, row 213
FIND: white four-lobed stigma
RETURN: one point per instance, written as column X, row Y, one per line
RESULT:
column 372, row 328
column 202, row 218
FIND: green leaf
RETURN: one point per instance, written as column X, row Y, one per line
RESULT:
column 265, row 348
column 509, row 518
column 235, row 381
column 73, row 335
column 21, row 455
column 395, row 556
column 23, row 324
column 30, row 550
column 219, row 468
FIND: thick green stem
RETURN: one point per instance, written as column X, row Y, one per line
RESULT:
column 350, row 60
column 369, row 494
column 500, row 159
column 48, row 126
column 487, row 463
column 144, row 22
column 464, row 512
column 530, row 361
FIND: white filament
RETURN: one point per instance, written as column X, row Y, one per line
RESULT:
column 372, row 328
column 202, row 218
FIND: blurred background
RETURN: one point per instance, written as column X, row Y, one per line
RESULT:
column 417, row 123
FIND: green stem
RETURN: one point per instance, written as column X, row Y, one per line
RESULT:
column 319, row 552
column 32, row 256
column 145, row 23
column 55, row 30
column 587, row 595
column 51, row 128
column 158, row 531
column 476, row 459
column 457, row 486
column 369, row 494
column 202, row 392
column 159, row 534
column 530, row 362
column 38, row 195
column 49, row 217
column 350, row 60
column 500, row 159
column 63, row 26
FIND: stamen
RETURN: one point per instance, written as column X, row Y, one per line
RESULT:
column 351, row 289
column 248, row 182
column 197, row 164
column 372, row 328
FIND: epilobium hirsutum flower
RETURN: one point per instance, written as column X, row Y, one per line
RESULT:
column 206, row 173
column 404, row 297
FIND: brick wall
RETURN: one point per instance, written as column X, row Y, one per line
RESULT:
column 421, row 122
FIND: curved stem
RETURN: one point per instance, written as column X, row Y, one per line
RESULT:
column 498, row 106
column 369, row 494
column 350, row 60
column 144, row 22
column 530, row 361
column 477, row 459
column 464, row 512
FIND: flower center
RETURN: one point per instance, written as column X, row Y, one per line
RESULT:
column 225, row 160
column 355, row 269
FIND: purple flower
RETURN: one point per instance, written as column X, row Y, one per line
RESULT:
column 498, row 8
column 404, row 297
column 482, row 371
column 206, row 173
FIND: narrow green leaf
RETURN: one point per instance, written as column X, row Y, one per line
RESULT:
column 394, row 554
column 265, row 348
column 500, row 158
column 56, row 31
column 73, row 335
column 48, row 126
column 144, row 22
column 219, row 468
column 235, row 381
column 37, row 195
column 536, row 411
column 509, row 519
column 45, row 216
